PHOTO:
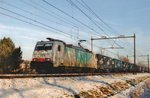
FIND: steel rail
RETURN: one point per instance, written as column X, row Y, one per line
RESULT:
column 10, row 76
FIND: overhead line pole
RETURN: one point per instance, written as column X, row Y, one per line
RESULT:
column 119, row 37
column 134, row 50
column 148, row 63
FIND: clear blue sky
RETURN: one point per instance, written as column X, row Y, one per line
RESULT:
column 125, row 17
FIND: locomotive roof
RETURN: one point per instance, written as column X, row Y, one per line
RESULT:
column 43, row 42
column 70, row 45
column 52, row 39
column 78, row 48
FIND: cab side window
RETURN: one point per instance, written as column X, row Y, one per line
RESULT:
column 59, row 48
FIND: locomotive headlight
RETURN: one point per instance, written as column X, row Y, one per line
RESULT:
column 48, row 59
column 34, row 59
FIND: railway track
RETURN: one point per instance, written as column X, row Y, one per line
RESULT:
column 4, row 76
column 8, row 76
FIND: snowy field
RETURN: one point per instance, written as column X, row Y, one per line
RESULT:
column 113, row 86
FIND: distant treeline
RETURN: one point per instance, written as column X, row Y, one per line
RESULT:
column 10, row 56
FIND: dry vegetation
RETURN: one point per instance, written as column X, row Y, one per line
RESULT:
column 139, row 91
column 117, row 87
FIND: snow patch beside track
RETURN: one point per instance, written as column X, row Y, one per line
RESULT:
column 113, row 86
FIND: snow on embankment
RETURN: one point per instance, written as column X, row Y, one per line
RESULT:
column 137, row 86
column 71, row 87
column 142, row 90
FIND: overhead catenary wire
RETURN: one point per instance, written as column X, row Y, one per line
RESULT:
column 34, row 21
column 72, row 3
column 48, row 27
column 48, row 12
column 83, row 4
column 34, row 24
column 30, row 23
column 26, row 17
column 88, row 8
column 42, row 17
column 93, row 13
column 102, row 48
column 24, row 21
column 71, row 17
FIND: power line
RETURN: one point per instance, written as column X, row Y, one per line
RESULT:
column 34, row 20
column 45, row 18
column 66, row 21
column 102, row 48
column 30, row 23
column 86, row 15
column 93, row 13
column 72, row 3
column 118, row 37
column 84, row 5
column 25, row 18
column 23, row 21
column 70, row 16
column 96, row 15
column 45, row 25
column 46, row 11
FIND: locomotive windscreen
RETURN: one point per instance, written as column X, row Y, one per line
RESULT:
column 44, row 46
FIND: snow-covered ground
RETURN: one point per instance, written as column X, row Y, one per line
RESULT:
column 115, row 86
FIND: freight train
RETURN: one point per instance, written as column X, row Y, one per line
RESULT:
column 55, row 56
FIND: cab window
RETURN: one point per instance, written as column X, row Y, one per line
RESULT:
column 59, row 48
